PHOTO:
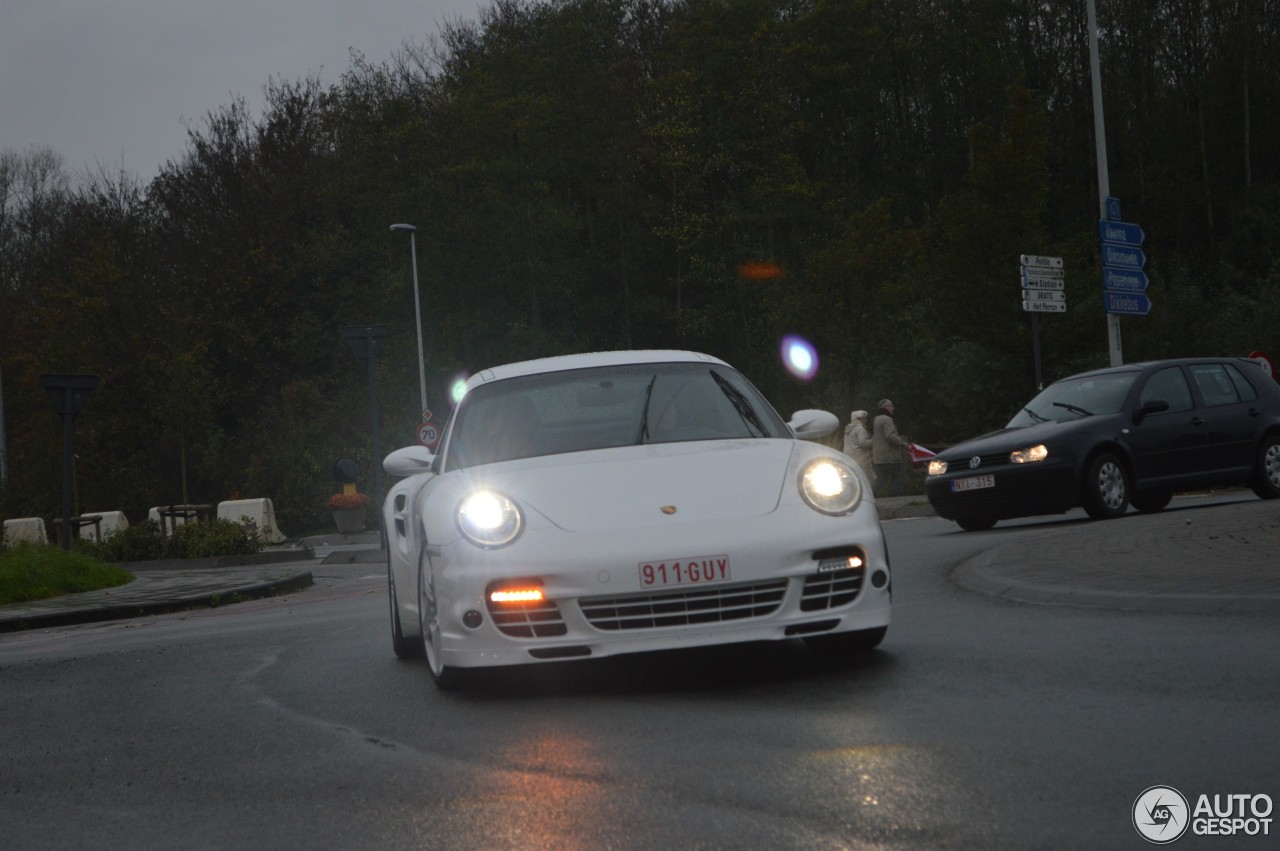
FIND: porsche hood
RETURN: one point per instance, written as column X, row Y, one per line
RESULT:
column 633, row 487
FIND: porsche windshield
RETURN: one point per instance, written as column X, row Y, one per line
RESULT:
column 578, row 410
column 1074, row 398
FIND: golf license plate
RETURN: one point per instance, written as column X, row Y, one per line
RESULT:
column 693, row 570
column 972, row 483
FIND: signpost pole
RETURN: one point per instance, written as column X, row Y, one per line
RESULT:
column 68, row 394
column 1104, row 180
column 1035, row 339
column 365, row 341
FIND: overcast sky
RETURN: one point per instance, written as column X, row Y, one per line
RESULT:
column 115, row 82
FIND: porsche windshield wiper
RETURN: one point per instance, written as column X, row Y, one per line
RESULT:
column 644, row 412
column 740, row 403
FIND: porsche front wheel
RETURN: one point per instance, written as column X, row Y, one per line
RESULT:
column 405, row 648
column 429, row 618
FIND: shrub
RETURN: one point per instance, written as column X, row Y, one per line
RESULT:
column 219, row 538
column 145, row 541
column 141, row 542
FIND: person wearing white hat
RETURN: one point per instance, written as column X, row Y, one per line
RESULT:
column 857, row 442
column 888, row 452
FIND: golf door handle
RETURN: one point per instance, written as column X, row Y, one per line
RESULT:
column 1196, row 421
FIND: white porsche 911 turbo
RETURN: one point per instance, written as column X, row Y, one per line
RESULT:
column 620, row 502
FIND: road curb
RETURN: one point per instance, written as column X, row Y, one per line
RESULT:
column 116, row 611
column 1173, row 562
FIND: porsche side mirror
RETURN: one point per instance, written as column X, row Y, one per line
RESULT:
column 1154, row 406
column 409, row 461
column 813, row 425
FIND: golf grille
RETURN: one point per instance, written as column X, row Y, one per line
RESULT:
column 681, row 608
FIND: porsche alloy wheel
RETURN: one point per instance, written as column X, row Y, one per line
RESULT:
column 1106, row 488
column 1266, row 482
column 405, row 648
column 429, row 619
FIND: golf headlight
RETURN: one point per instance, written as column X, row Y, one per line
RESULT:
column 1038, row 452
column 489, row 519
column 829, row 486
column 937, row 467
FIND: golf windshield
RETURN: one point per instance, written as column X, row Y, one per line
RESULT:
column 1074, row 398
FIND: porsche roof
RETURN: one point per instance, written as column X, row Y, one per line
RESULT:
column 587, row 360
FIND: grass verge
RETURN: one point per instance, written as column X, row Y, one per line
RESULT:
column 37, row 571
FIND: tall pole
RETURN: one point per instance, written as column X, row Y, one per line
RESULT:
column 68, row 394
column 1104, row 180
column 4, row 450
column 365, row 340
column 417, row 310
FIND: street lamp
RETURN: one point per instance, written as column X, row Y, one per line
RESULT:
column 417, row 310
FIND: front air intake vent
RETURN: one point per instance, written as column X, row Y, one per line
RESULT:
column 684, row 608
column 831, row 589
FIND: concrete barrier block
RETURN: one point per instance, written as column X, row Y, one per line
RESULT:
column 260, row 511
column 19, row 529
column 166, row 524
column 109, row 523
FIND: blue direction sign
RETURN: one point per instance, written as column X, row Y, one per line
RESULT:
column 1113, row 208
column 1132, row 304
column 1127, row 280
column 1122, row 257
column 1120, row 233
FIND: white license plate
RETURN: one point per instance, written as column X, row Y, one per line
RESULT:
column 972, row 483
column 694, row 570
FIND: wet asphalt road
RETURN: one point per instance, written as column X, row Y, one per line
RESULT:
column 981, row 723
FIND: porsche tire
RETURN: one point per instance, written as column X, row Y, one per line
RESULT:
column 446, row 678
column 405, row 648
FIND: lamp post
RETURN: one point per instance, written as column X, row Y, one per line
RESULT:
column 417, row 310
column 1114, row 345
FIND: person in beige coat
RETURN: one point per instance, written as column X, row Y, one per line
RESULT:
column 888, row 452
column 857, row 442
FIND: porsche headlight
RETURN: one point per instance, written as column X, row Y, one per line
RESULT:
column 1039, row 452
column 937, row 467
column 830, row 486
column 489, row 519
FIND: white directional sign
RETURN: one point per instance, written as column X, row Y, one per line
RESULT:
column 1039, row 261
column 1035, row 273
column 1043, row 284
column 1045, row 306
column 1036, row 284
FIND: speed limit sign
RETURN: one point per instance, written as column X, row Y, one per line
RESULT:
column 428, row 435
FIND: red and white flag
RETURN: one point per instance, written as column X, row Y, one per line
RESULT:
column 918, row 453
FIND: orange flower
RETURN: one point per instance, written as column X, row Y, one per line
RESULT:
column 343, row 501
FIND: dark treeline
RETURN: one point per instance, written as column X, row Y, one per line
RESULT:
column 602, row 174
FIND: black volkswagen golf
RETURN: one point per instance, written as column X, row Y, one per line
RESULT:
column 1111, row 438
